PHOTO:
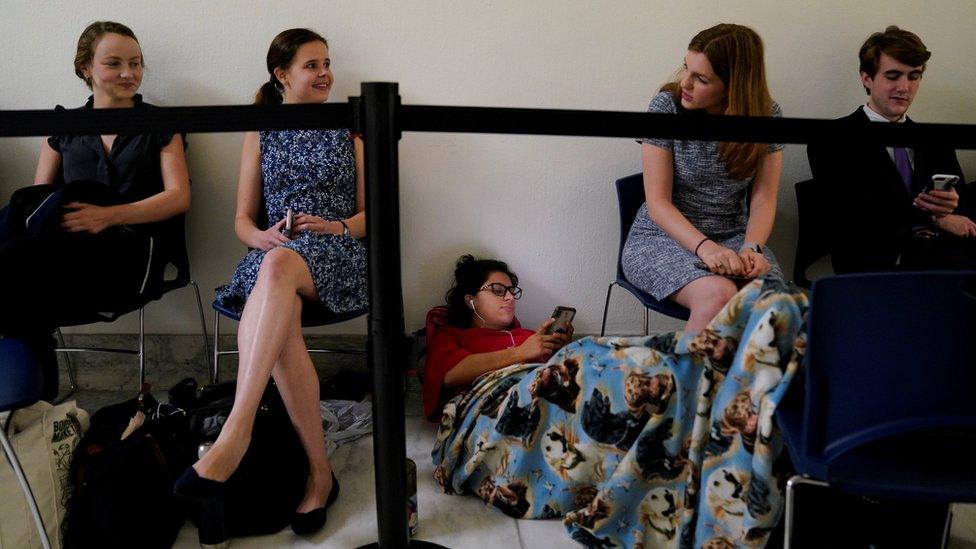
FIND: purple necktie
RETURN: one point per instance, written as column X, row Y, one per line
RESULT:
column 904, row 166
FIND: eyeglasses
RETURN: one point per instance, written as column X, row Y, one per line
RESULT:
column 499, row 290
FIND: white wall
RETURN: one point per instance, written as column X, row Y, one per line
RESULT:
column 545, row 204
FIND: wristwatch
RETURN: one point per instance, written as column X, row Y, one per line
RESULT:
column 345, row 228
column 751, row 246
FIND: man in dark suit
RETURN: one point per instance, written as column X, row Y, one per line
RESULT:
column 885, row 218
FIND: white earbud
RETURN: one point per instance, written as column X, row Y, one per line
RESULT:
column 471, row 304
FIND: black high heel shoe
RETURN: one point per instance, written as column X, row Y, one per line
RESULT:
column 304, row 524
column 207, row 500
column 192, row 486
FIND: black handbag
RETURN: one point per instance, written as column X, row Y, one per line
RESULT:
column 263, row 493
column 123, row 489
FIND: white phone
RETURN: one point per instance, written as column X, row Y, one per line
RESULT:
column 288, row 221
column 944, row 182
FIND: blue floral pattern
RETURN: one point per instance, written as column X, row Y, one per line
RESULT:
column 312, row 172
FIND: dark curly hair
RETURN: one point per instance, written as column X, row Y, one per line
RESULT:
column 469, row 275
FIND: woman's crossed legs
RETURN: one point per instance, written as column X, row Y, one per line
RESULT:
column 271, row 347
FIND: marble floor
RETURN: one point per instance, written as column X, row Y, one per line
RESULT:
column 450, row 521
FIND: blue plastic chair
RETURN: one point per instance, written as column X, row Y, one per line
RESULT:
column 630, row 196
column 22, row 386
column 886, row 407
column 313, row 314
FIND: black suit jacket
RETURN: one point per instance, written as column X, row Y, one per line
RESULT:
column 873, row 213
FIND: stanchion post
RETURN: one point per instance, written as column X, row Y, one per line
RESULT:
column 380, row 103
column 377, row 120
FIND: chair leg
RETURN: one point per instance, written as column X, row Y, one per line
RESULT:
column 215, row 374
column 948, row 528
column 69, row 368
column 28, row 494
column 142, row 347
column 606, row 307
column 790, row 496
column 203, row 324
column 647, row 320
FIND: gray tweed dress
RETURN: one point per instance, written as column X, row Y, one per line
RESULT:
column 703, row 192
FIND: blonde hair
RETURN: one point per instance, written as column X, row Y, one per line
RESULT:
column 89, row 39
column 736, row 55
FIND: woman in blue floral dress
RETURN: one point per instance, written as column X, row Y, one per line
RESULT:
column 318, row 174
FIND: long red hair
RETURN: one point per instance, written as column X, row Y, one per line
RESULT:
column 736, row 55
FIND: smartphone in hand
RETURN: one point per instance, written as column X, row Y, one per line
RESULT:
column 942, row 182
column 564, row 317
column 289, row 218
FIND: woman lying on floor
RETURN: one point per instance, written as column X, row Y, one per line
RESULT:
column 659, row 441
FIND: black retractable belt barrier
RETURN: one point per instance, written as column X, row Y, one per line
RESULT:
column 425, row 118
column 715, row 128
column 387, row 343
column 175, row 119
column 379, row 116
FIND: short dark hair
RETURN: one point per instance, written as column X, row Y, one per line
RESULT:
column 469, row 275
column 904, row 46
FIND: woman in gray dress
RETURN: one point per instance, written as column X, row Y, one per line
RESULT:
column 709, row 206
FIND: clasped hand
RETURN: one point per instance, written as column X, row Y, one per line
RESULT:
column 313, row 224
column 273, row 236
column 724, row 261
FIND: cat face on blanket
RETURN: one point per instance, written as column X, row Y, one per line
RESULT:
column 642, row 390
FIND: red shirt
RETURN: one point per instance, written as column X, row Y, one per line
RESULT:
column 448, row 347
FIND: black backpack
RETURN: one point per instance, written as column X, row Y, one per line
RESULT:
column 123, row 489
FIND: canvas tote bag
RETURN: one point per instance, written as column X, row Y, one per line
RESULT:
column 44, row 437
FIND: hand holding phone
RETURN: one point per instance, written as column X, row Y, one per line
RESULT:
column 564, row 317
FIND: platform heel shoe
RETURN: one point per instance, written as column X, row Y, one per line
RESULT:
column 304, row 524
column 210, row 526
column 205, row 499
